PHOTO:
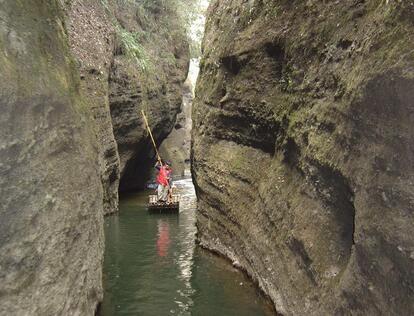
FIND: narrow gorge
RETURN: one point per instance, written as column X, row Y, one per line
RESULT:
column 301, row 153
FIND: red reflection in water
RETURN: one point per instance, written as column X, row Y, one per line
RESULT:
column 163, row 240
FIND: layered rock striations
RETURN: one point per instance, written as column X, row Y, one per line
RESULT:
column 303, row 151
column 51, row 234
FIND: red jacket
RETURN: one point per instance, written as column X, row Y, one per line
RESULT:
column 164, row 175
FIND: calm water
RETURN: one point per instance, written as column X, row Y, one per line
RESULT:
column 152, row 266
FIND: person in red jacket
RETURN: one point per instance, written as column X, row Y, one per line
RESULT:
column 163, row 180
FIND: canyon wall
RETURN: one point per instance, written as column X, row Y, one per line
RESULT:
column 155, row 86
column 302, row 151
column 91, row 37
column 132, row 57
column 70, row 93
column 51, row 234
column 176, row 147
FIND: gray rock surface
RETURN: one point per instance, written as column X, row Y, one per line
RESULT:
column 117, row 87
column 176, row 147
column 59, row 161
column 303, row 151
column 91, row 38
column 156, row 89
column 51, row 221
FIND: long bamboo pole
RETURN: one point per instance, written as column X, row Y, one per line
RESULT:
column 152, row 137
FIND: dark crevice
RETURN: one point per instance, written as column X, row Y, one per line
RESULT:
column 241, row 178
column 247, row 130
column 304, row 261
column 140, row 166
column 291, row 153
column 344, row 44
column 275, row 50
column 335, row 192
column 98, row 309
column 232, row 64
column 328, row 127
column 138, row 169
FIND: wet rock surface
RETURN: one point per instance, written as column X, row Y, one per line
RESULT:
column 303, row 151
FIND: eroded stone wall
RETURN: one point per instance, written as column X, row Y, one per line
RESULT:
column 92, row 40
column 303, row 151
column 154, row 86
column 60, row 162
column 51, row 210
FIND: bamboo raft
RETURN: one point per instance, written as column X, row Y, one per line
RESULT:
column 155, row 206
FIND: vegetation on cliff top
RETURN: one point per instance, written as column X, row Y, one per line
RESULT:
column 157, row 15
column 131, row 47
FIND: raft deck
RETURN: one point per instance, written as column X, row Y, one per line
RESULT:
column 154, row 206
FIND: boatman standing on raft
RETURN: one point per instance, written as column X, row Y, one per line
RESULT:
column 163, row 180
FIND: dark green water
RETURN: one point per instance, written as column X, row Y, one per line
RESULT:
column 152, row 266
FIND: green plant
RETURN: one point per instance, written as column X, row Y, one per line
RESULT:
column 132, row 48
column 161, row 20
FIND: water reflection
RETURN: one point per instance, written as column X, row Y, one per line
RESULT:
column 163, row 240
column 152, row 266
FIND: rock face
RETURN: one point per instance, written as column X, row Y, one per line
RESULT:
column 155, row 87
column 303, row 151
column 51, row 234
column 91, row 38
column 63, row 76
column 118, row 86
column 176, row 147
